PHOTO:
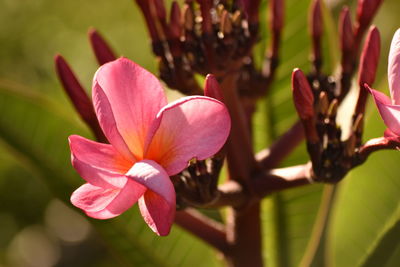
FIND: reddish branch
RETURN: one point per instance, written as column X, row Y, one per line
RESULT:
column 203, row 227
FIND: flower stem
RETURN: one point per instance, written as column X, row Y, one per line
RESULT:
column 243, row 224
column 240, row 154
column 210, row 231
column 271, row 157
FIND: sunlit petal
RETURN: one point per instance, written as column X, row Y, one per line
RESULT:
column 99, row 164
column 193, row 127
column 134, row 96
column 394, row 68
column 389, row 113
column 158, row 203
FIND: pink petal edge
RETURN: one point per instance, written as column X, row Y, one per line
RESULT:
column 92, row 198
column 115, row 203
column 389, row 113
column 99, row 164
column 157, row 206
column 135, row 96
column 107, row 122
column 192, row 127
column 394, row 68
column 157, row 213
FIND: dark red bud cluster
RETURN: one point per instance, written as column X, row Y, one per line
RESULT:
column 318, row 96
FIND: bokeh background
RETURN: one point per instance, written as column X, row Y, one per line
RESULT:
column 40, row 228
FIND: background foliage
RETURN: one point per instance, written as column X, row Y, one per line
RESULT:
column 39, row 227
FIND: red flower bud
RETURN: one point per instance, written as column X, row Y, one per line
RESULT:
column 370, row 57
column 175, row 21
column 212, row 89
column 205, row 6
column 346, row 30
column 368, row 66
column 160, row 9
column 78, row 96
column 101, row 49
column 277, row 15
column 251, row 8
column 144, row 6
column 366, row 10
column 302, row 95
column 316, row 21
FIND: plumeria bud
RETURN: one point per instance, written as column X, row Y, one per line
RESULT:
column 160, row 9
column 304, row 102
column 205, row 6
column 188, row 18
column 316, row 19
column 212, row 89
column 366, row 10
column 370, row 57
column 302, row 95
column 175, row 21
column 100, row 47
column 316, row 27
column 251, row 8
column 277, row 15
column 78, row 96
column 144, row 6
column 346, row 30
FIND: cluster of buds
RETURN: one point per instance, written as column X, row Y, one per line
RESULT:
column 217, row 37
column 207, row 36
column 318, row 96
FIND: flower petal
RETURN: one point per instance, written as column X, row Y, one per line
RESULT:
column 158, row 203
column 107, row 122
column 99, row 164
column 134, row 96
column 389, row 134
column 105, row 203
column 93, row 198
column 394, row 68
column 389, row 113
column 157, row 213
column 192, row 127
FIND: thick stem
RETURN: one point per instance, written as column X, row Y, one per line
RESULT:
column 243, row 225
column 244, row 235
column 262, row 184
column 204, row 228
column 280, row 179
column 240, row 154
column 273, row 156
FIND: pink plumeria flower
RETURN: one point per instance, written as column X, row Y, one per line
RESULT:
column 389, row 108
column 149, row 141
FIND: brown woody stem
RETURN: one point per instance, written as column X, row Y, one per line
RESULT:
column 240, row 154
column 209, row 231
column 271, row 157
column 243, row 225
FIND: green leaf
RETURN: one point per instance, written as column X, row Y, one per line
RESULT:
column 365, row 228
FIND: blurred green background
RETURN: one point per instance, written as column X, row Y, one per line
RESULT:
column 38, row 225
